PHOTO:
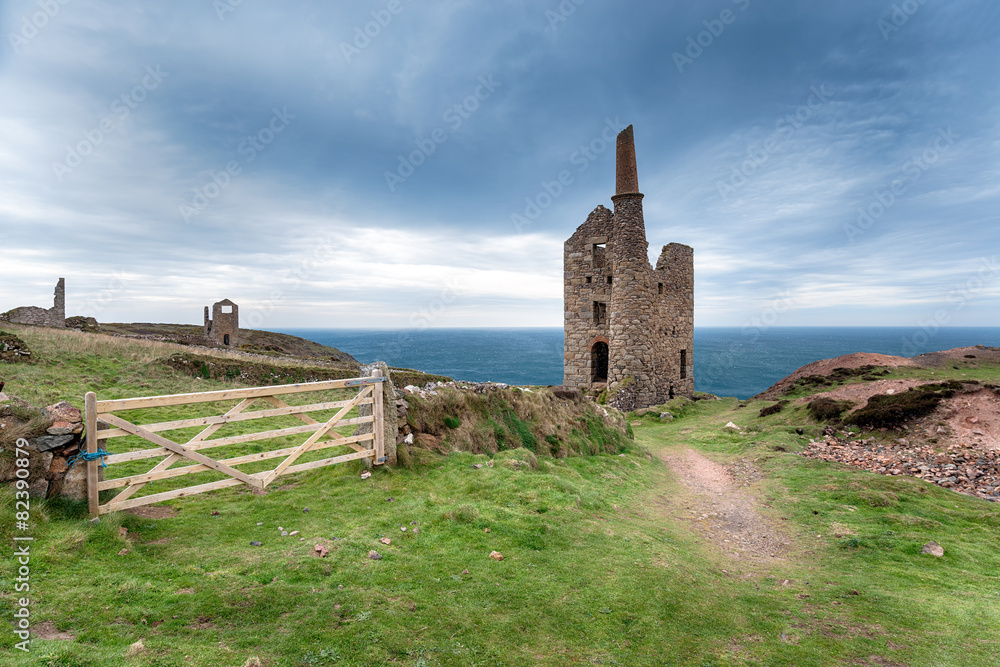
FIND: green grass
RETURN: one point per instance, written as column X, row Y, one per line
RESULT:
column 597, row 568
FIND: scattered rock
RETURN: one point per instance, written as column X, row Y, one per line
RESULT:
column 385, row 540
column 415, row 531
column 96, row 520
column 496, row 555
column 215, row 513
column 466, row 572
column 321, row 551
column 934, row 549
column 306, row 510
column 284, row 533
column 733, row 428
column 123, row 552
column 366, row 474
column 256, row 544
column 962, row 468
column 666, row 417
column 403, row 528
column 374, row 555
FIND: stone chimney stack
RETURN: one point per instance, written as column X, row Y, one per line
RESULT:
column 626, row 177
column 630, row 345
column 630, row 228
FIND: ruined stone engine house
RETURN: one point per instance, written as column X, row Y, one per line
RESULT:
column 628, row 327
column 224, row 325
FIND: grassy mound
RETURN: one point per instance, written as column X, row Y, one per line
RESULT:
column 263, row 373
column 547, row 423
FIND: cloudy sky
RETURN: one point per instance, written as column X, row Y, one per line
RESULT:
column 388, row 163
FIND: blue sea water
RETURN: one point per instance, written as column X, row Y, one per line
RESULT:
column 727, row 360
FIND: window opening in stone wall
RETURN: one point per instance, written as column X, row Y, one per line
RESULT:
column 597, row 255
column 599, row 362
column 588, row 280
column 671, row 394
column 659, row 287
column 225, row 339
column 227, row 310
column 609, row 280
column 684, row 364
column 600, row 312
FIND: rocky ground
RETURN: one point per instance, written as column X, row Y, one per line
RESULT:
column 965, row 468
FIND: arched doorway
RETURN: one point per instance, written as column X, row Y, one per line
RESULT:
column 599, row 362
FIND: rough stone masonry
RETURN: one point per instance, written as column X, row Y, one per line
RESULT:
column 41, row 317
column 629, row 327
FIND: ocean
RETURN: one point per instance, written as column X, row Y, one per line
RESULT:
column 727, row 360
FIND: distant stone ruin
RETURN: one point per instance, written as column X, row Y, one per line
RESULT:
column 629, row 327
column 41, row 317
column 224, row 326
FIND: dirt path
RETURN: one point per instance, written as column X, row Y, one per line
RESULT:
column 722, row 509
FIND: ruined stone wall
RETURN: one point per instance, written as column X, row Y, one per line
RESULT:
column 675, row 272
column 42, row 317
column 586, row 268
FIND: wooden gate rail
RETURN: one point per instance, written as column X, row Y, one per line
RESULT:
column 322, row 436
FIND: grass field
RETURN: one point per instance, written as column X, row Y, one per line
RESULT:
column 601, row 565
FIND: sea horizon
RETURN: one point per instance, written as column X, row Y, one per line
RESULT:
column 728, row 360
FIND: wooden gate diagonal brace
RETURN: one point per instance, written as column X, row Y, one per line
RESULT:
column 183, row 451
column 171, row 459
column 320, row 432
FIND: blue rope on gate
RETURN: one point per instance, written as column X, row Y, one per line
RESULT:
column 87, row 456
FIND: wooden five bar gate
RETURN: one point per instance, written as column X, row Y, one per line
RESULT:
column 321, row 436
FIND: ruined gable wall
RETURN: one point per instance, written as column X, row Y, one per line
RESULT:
column 675, row 270
column 42, row 317
column 579, row 327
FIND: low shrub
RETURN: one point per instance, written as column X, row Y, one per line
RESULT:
column 892, row 410
column 827, row 409
column 773, row 409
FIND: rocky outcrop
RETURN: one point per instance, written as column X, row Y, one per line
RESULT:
column 13, row 349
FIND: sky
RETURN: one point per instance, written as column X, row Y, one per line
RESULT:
column 393, row 163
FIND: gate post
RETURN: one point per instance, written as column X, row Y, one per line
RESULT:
column 378, row 412
column 90, row 411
